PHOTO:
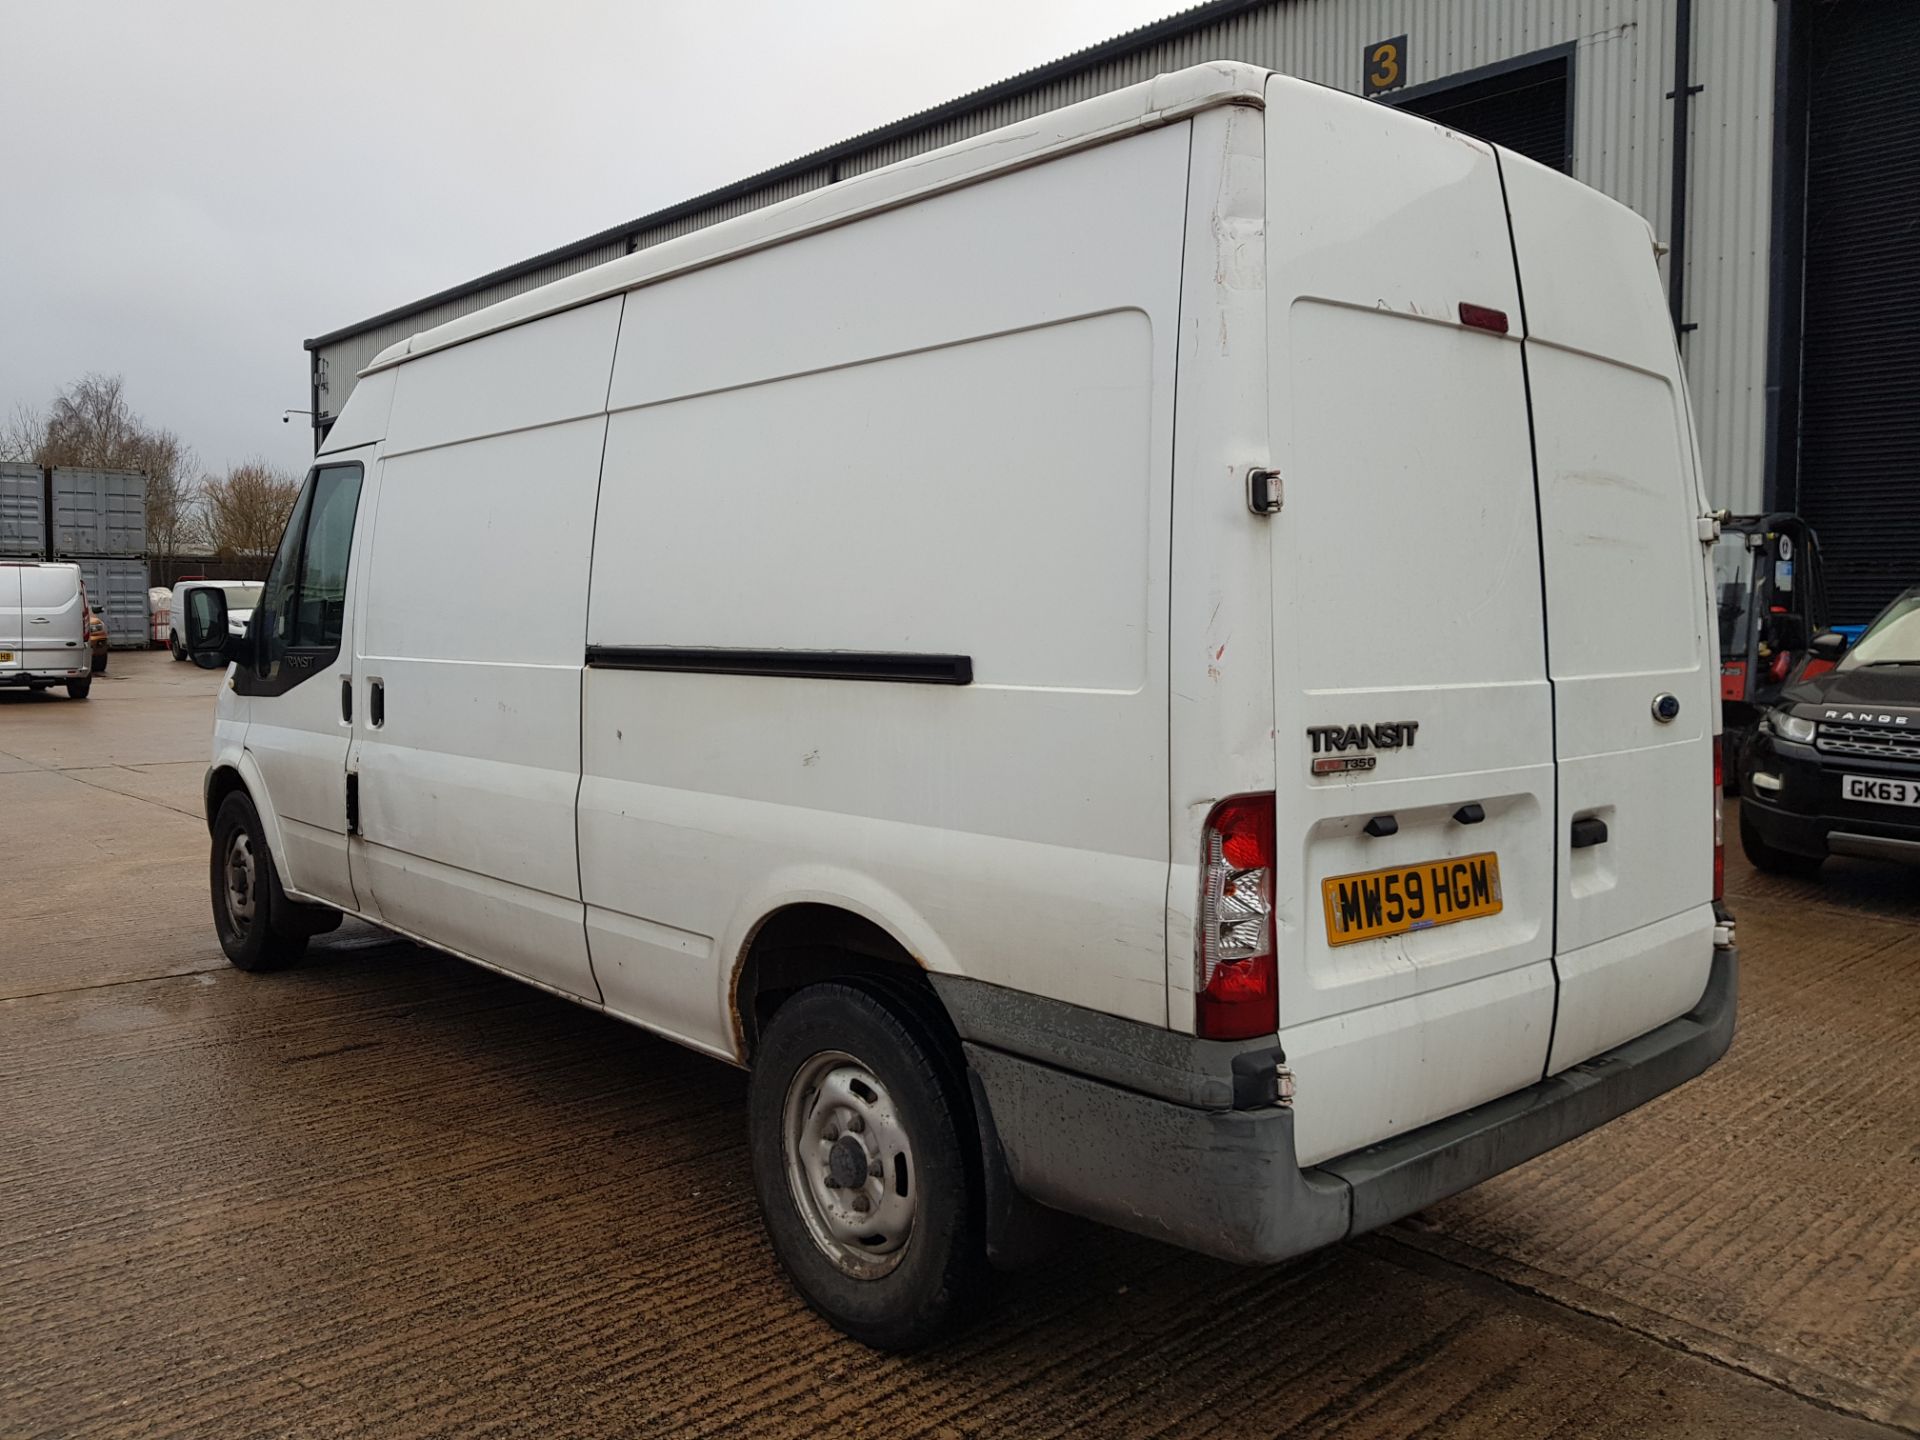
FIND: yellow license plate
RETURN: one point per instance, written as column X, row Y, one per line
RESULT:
column 5, row 656
column 1400, row 898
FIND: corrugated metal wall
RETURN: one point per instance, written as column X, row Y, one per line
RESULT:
column 1622, row 69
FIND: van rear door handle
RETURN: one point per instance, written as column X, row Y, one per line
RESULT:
column 376, row 703
column 1589, row 830
column 346, row 699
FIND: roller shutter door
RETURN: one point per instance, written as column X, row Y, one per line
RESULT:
column 1860, row 362
column 1524, row 110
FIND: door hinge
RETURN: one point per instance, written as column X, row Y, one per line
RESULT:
column 1709, row 525
column 1265, row 491
column 353, row 804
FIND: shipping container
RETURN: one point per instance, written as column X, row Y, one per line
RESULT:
column 99, row 512
column 117, row 589
column 23, row 510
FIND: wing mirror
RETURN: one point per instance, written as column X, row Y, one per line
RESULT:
column 1829, row 645
column 207, row 638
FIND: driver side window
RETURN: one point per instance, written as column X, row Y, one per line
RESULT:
column 302, row 607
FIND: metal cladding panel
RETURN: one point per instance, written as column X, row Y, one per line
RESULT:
column 23, row 510
column 1622, row 145
column 117, row 589
column 1730, row 179
column 99, row 512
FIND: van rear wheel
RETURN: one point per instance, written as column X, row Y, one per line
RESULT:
column 244, row 890
column 865, row 1158
column 79, row 689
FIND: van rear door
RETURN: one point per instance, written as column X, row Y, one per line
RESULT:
column 11, row 636
column 1627, row 615
column 1413, row 718
column 53, row 622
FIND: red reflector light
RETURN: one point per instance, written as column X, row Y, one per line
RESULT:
column 1236, row 976
column 1483, row 317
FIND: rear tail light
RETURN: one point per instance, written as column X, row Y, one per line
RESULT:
column 1719, row 828
column 1781, row 664
column 1235, row 974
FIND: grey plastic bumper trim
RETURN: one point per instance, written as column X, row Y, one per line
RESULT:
column 1226, row 1183
column 1874, row 847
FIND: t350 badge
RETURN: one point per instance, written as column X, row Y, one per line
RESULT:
column 1330, row 741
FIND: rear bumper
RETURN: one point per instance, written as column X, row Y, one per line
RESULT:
column 41, row 676
column 1225, row 1182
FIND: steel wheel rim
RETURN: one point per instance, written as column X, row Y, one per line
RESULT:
column 240, row 881
column 850, row 1165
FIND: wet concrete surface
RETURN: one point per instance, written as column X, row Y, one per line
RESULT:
column 391, row 1194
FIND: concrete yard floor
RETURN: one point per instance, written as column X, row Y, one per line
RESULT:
column 388, row 1193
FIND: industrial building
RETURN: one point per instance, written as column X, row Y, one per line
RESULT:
column 1770, row 143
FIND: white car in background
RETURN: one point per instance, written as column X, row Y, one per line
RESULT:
column 242, row 596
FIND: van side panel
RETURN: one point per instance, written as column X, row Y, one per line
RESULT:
column 942, row 430
column 1627, row 618
column 476, row 598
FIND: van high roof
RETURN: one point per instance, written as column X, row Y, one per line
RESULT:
column 1146, row 106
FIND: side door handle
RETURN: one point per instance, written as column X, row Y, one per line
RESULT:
column 1590, row 830
column 376, row 703
column 346, row 699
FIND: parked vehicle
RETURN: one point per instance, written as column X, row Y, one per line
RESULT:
column 1771, row 589
column 96, row 636
column 43, row 627
column 1055, row 656
column 1834, row 767
column 242, row 596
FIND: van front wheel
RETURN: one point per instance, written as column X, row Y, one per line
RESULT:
column 863, row 1147
column 244, row 890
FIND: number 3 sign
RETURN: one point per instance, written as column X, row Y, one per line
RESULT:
column 1384, row 66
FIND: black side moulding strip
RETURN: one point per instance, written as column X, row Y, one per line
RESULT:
column 790, row 664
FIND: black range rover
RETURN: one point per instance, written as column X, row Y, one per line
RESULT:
column 1834, row 767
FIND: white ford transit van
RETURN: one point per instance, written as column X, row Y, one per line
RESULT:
column 43, row 627
column 1156, row 662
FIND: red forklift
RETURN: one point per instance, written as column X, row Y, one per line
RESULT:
column 1772, row 600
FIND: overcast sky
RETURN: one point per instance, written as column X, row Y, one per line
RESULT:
column 194, row 187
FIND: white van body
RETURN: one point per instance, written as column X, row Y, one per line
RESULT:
column 239, row 608
column 43, row 627
column 904, row 598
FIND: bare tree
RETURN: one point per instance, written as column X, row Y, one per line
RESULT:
column 22, row 434
column 247, row 508
column 175, row 524
column 91, row 424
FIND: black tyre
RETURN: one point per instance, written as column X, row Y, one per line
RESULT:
column 1771, row 859
column 866, row 1159
column 174, row 647
column 79, row 689
column 245, row 890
